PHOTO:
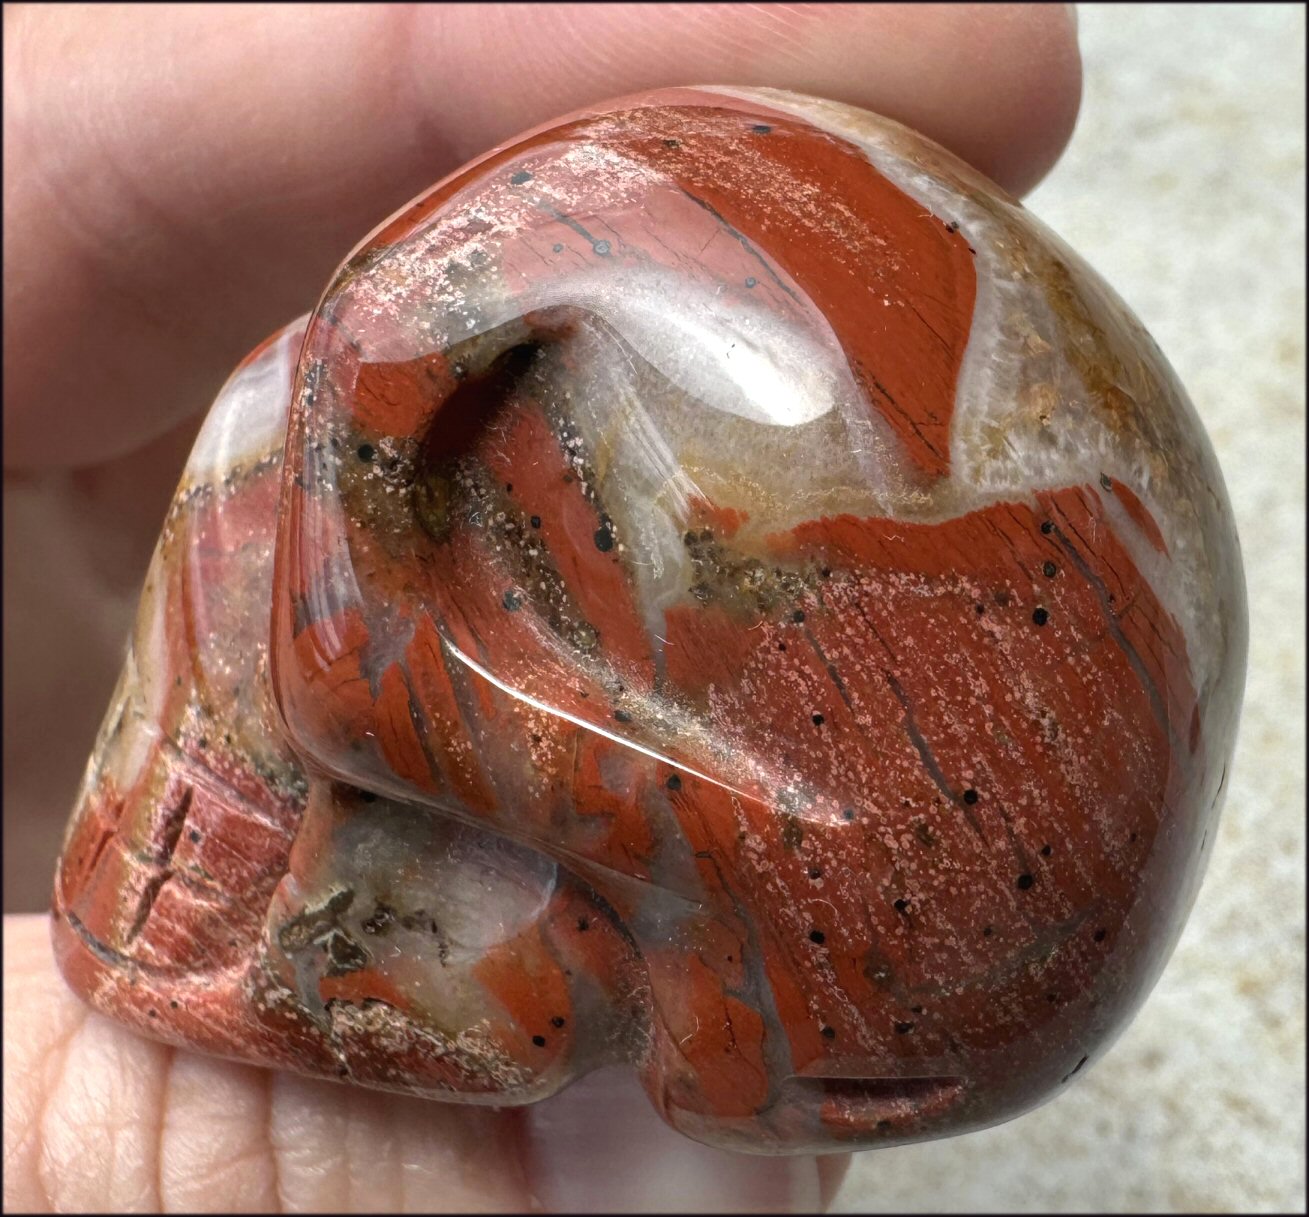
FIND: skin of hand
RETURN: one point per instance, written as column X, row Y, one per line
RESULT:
column 179, row 181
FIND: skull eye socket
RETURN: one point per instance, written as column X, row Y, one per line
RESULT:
column 477, row 404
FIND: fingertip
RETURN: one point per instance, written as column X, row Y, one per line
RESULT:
column 832, row 1170
column 1035, row 67
column 599, row 1147
column 998, row 84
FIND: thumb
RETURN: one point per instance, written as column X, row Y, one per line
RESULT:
column 99, row 1119
column 599, row 1147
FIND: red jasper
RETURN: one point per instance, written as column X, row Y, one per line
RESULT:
column 714, row 585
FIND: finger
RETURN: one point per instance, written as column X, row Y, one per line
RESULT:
column 181, row 179
column 599, row 1147
column 99, row 1119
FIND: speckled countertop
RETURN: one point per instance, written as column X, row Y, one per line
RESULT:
column 1184, row 185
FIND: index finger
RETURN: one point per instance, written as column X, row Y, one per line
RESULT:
column 190, row 183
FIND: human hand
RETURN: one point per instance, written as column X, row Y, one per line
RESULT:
column 179, row 182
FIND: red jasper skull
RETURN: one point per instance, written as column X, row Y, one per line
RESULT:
column 737, row 596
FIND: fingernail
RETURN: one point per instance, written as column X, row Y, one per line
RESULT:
column 599, row 1147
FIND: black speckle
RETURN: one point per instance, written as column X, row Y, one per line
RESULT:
column 915, row 1009
column 970, row 796
column 751, row 281
column 1132, row 838
column 825, row 573
column 1046, row 850
column 342, row 1071
column 535, row 521
column 380, row 920
column 848, row 814
column 1040, row 616
column 798, row 616
column 1100, row 934
column 509, row 488
column 1047, row 527
column 194, row 834
column 979, row 608
column 511, row 602
column 674, row 782
column 601, row 247
column 901, row 905
column 761, row 128
column 1106, row 481
column 1049, row 570
column 583, row 925
column 781, row 646
column 818, row 720
column 883, row 1124
column 365, row 452
column 815, row 872
column 153, row 1013
column 203, row 742
column 1025, row 881
column 604, row 540
column 367, row 796
column 557, row 1021
column 622, row 716
column 172, row 1005
column 953, row 226
column 672, row 143
column 828, row 1033
column 1052, row 998
column 539, row 1040
column 557, row 247
column 817, row 936
column 520, row 177
column 987, row 931
column 903, row 1028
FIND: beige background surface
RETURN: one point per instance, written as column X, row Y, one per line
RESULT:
column 1184, row 186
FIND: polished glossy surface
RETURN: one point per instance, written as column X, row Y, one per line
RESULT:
column 737, row 597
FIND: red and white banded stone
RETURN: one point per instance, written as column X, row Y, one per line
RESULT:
column 714, row 585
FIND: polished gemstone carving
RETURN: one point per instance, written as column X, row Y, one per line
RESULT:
column 715, row 585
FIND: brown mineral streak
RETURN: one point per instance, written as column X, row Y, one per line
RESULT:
column 877, row 836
